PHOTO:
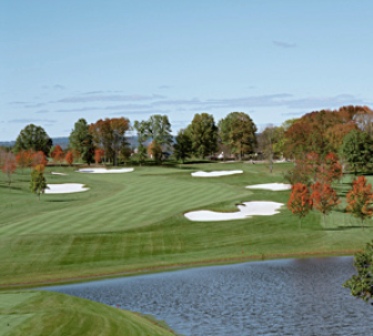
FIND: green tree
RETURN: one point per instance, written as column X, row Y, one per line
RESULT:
column 33, row 138
column 361, row 285
column 81, row 141
column 271, row 142
column 183, row 145
column 203, row 134
column 357, row 150
column 237, row 130
column 159, row 131
column 141, row 128
column 38, row 183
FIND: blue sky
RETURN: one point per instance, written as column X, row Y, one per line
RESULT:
column 62, row 60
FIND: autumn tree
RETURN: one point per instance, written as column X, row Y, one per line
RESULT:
column 183, row 145
column 9, row 166
column 38, row 183
column 324, row 198
column 335, row 134
column 57, row 154
column 300, row 202
column 155, row 151
column 329, row 169
column 305, row 169
column 33, row 138
column 69, row 158
column 39, row 158
column 109, row 134
column 361, row 285
column 360, row 199
column 99, row 153
column 24, row 159
column 237, row 130
column 81, row 141
column 204, row 134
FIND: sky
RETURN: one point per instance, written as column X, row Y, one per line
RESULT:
column 63, row 60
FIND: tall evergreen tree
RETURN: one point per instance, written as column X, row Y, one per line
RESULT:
column 81, row 141
column 183, row 145
column 203, row 134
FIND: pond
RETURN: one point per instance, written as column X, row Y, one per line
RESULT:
column 280, row 297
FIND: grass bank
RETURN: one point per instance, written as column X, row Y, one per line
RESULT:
column 45, row 313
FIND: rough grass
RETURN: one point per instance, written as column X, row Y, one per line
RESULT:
column 133, row 222
column 46, row 313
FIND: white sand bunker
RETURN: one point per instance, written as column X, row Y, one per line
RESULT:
column 270, row 186
column 62, row 174
column 246, row 210
column 216, row 173
column 65, row 188
column 105, row 171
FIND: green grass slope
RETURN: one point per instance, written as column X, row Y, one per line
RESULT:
column 133, row 222
column 47, row 313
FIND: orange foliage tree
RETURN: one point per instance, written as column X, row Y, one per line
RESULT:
column 360, row 199
column 57, row 154
column 300, row 202
column 324, row 198
column 9, row 166
column 99, row 153
column 329, row 169
column 155, row 151
column 69, row 158
column 24, row 159
column 39, row 158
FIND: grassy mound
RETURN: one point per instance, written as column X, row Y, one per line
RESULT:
column 46, row 313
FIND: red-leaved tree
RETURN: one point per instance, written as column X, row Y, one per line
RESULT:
column 69, row 158
column 360, row 199
column 57, row 154
column 324, row 198
column 39, row 158
column 330, row 169
column 9, row 166
column 300, row 202
column 99, row 153
column 24, row 159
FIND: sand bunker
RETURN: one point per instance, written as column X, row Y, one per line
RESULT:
column 270, row 186
column 105, row 171
column 246, row 210
column 54, row 173
column 216, row 173
column 65, row 188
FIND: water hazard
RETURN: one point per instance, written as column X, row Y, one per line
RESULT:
column 281, row 297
